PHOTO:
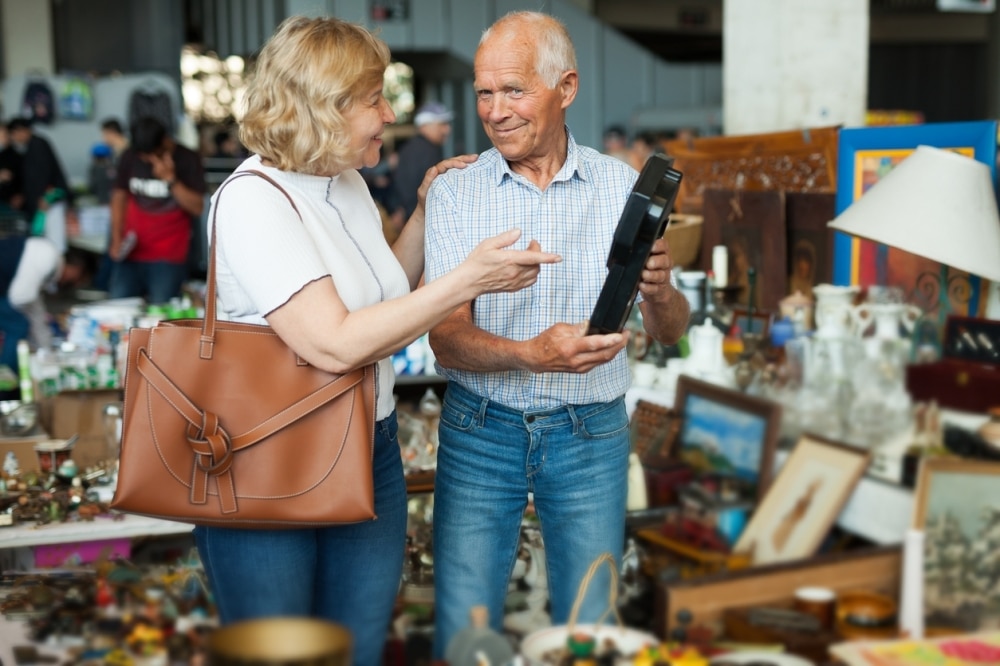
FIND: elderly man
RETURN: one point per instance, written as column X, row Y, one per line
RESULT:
column 534, row 405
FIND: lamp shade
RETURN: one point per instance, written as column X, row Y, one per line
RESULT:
column 936, row 204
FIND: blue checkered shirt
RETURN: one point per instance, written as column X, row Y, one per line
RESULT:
column 575, row 217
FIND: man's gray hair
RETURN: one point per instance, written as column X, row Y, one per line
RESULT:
column 554, row 52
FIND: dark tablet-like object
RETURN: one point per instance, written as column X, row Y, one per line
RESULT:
column 641, row 223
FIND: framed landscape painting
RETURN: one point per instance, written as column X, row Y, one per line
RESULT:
column 958, row 509
column 728, row 434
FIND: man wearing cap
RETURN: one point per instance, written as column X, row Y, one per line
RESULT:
column 424, row 150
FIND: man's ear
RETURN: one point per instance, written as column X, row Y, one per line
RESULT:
column 569, row 84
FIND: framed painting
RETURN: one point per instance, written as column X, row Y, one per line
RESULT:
column 810, row 240
column 958, row 509
column 727, row 434
column 865, row 155
column 751, row 225
column 793, row 518
column 757, row 322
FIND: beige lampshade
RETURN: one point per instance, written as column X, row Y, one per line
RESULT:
column 936, row 204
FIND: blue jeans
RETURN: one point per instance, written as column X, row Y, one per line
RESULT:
column 573, row 459
column 156, row 281
column 348, row 574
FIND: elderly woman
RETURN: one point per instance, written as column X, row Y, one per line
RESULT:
column 339, row 296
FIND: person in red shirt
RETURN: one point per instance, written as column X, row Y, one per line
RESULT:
column 158, row 194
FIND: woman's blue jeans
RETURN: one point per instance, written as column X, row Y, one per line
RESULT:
column 348, row 574
column 573, row 459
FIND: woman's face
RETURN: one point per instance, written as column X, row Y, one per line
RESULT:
column 367, row 119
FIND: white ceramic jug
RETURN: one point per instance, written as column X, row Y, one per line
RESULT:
column 834, row 305
column 885, row 320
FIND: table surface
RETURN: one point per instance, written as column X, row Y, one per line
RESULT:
column 102, row 527
column 877, row 510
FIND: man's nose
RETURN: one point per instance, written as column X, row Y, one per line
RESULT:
column 498, row 106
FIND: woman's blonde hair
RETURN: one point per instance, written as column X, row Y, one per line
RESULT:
column 307, row 75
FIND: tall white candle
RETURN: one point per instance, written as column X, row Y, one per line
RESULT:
column 720, row 265
column 911, row 615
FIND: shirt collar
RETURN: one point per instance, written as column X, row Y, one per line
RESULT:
column 310, row 184
column 569, row 169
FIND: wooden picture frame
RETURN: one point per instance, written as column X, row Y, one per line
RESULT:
column 958, row 509
column 759, row 321
column 751, row 224
column 727, row 433
column 803, row 502
column 867, row 153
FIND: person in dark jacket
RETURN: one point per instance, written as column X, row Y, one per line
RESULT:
column 420, row 153
column 42, row 172
column 11, row 196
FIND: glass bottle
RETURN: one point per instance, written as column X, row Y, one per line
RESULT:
column 478, row 640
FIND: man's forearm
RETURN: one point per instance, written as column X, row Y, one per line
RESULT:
column 460, row 345
column 666, row 319
column 192, row 201
column 117, row 206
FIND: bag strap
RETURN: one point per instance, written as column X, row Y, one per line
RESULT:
column 208, row 322
column 212, row 445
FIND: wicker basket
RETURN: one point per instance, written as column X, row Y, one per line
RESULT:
column 684, row 236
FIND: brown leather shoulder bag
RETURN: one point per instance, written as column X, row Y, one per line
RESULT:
column 225, row 425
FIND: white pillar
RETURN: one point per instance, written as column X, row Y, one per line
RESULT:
column 27, row 38
column 790, row 64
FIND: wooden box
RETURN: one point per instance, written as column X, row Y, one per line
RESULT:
column 967, row 377
column 965, row 385
column 80, row 413
column 23, row 449
column 707, row 598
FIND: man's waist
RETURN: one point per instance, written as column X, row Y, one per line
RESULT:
column 526, row 391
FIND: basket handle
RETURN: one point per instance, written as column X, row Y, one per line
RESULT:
column 612, row 593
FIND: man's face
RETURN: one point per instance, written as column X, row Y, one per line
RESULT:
column 158, row 153
column 436, row 133
column 112, row 138
column 19, row 137
column 522, row 116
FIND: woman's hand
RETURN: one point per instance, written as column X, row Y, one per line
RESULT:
column 457, row 162
column 496, row 268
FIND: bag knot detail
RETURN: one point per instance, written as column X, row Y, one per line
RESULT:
column 213, row 449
